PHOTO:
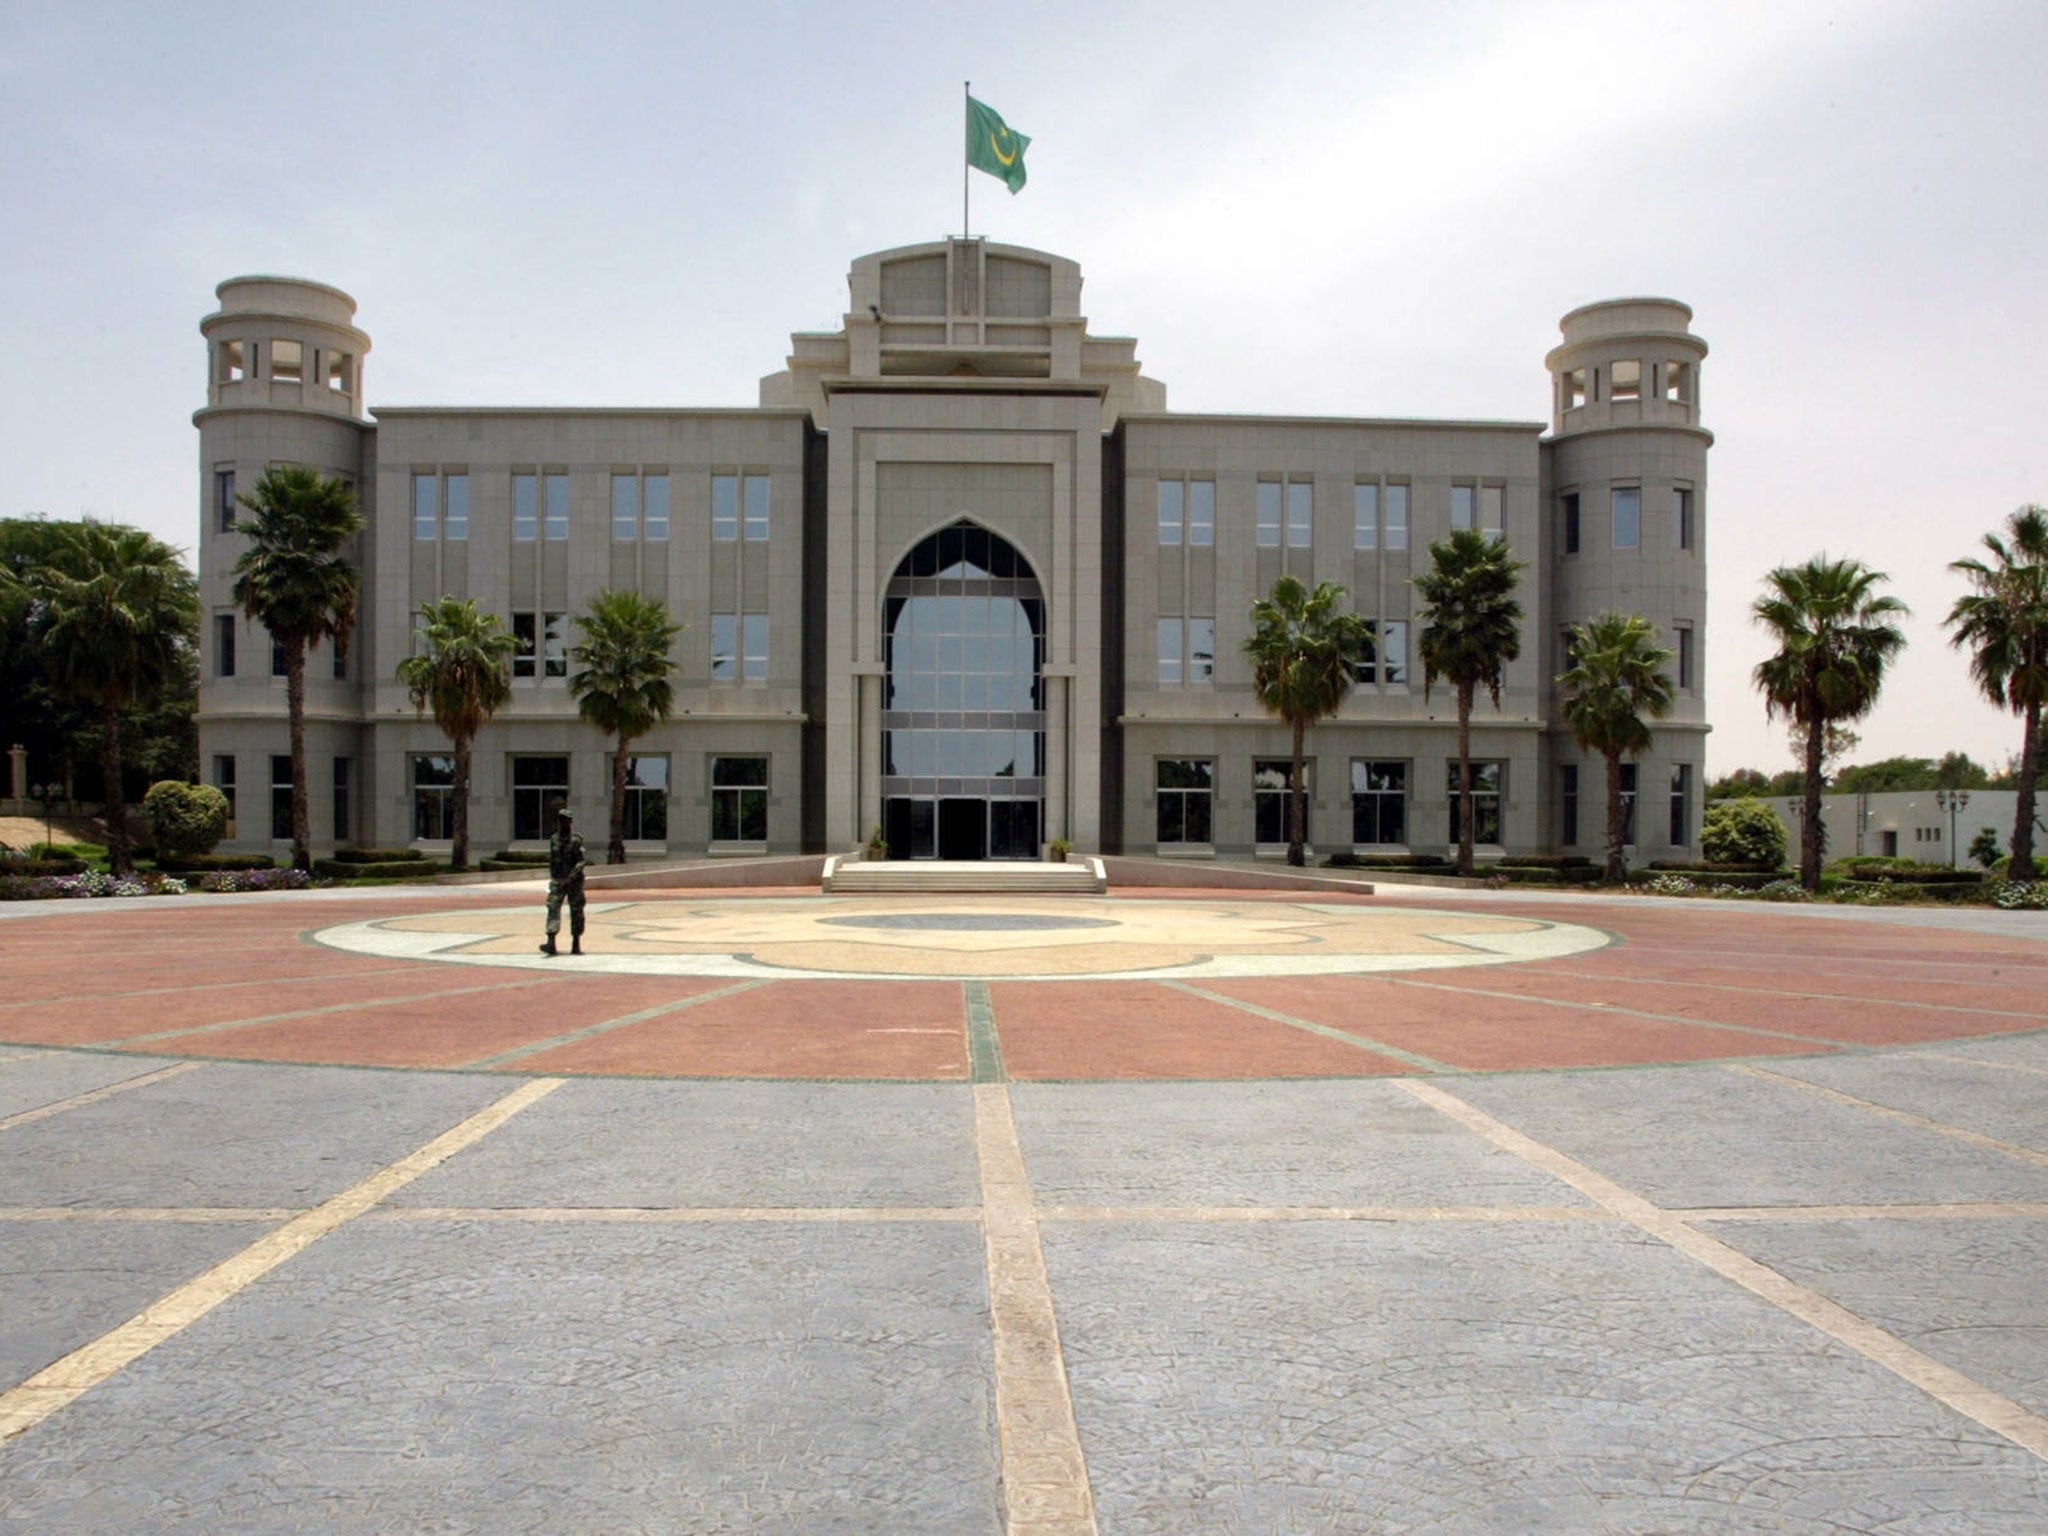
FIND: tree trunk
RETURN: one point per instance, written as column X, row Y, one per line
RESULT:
column 2022, row 865
column 110, row 785
column 1297, row 839
column 295, row 706
column 1617, row 823
column 1465, row 779
column 616, row 852
column 458, row 856
column 1809, row 820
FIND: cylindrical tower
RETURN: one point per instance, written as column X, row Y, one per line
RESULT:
column 284, row 385
column 1626, row 484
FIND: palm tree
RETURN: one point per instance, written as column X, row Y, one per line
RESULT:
column 295, row 580
column 1834, row 637
column 1472, row 628
column 1616, row 677
column 2005, row 624
column 1303, row 652
column 461, row 669
column 112, row 609
column 623, row 685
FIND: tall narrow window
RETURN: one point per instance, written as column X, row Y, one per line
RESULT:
column 426, row 519
column 1681, row 805
column 1461, row 507
column 1365, row 516
column 1574, row 388
column 340, row 663
column 1487, row 779
column 1397, row 517
column 224, row 781
column 725, row 646
column 1681, row 516
column 1491, row 498
column 1301, row 514
column 1629, row 777
column 1683, row 634
column 1568, row 804
column 455, row 513
column 1201, row 513
column 1172, row 511
column 287, row 365
column 525, row 508
column 234, row 362
column 342, row 799
column 1628, row 517
column 1678, row 383
column 1570, row 504
column 625, row 508
column 757, row 509
column 1169, row 653
column 281, row 797
column 279, row 666
column 224, row 500
column 525, row 645
column 1269, row 514
column 554, row 645
column 1626, row 376
column 433, row 797
column 1201, row 650
column 224, row 645
column 654, row 508
column 754, row 648
column 1393, row 643
column 725, row 508
column 557, row 487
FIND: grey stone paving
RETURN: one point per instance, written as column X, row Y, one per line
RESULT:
column 2018, row 1050
column 35, row 1078
column 721, row 1144
column 2008, row 1105
column 1705, row 1136
column 1275, row 1143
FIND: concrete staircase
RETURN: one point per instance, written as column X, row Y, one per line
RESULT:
column 847, row 874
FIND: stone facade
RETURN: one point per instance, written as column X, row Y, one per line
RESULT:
column 959, row 575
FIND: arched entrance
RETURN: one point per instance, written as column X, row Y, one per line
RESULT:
column 963, row 705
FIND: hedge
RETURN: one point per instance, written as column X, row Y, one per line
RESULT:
column 498, row 864
column 30, row 868
column 521, row 856
column 374, row 855
column 1913, row 890
column 1548, row 861
column 1921, row 874
column 207, row 863
column 389, row 869
column 1421, row 861
column 1536, row 874
column 1708, row 867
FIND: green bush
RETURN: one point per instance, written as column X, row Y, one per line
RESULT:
column 185, row 818
column 1875, row 861
column 390, row 869
column 521, row 856
column 498, row 864
column 26, row 868
column 1985, row 847
column 1742, row 832
column 1876, row 892
column 208, row 863
column 1545, row 861
column 1536, row 874
column 1429, row 862
column 1708, row 867
column 375, row 855
column 1909, row 873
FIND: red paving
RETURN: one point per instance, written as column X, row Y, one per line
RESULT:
column 1682, row 982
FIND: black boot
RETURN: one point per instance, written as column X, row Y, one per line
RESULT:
column 548, row 948
column 576, row 946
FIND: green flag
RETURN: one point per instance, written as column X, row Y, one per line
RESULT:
column 995, row 147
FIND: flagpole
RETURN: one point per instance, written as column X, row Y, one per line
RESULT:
column 967, row 124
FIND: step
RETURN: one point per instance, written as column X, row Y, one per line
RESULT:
column 925, row 877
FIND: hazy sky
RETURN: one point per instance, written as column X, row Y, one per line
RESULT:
column 1352, row 209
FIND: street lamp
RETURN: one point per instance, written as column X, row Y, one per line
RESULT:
column 49, row 794
column 1952, row 801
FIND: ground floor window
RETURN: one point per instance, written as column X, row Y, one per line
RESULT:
column 646, row 798
column 1681, row 806
column 1487, row 781
column 1568, row 804
column 1186, row 786
column 1379, row 802
column 341, row 799
column 540, row 787
column 739, row 800
column 281, row 797
column 224, row 781
column 1270, row 795
column 433, row 797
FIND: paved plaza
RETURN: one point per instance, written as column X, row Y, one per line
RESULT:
column 1160, row 1212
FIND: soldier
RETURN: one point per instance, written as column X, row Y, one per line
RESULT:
column 566, row 863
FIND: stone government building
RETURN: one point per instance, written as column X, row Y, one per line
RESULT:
column 959, row 574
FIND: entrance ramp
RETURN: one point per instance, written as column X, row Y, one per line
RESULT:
column 954, row 877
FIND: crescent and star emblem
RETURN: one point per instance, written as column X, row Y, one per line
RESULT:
column 995, row 143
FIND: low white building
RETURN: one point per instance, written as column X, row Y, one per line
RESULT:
column 1909, row 823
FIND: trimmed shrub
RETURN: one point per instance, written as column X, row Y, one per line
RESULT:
column 374, row 856
column 1546, row 861
column 1863, row 870
column 1536, row 874
column 1427, row 862
column 389, row 869
column 205, row 863
column 185, row 818
column 28, row 869
column 521, row 856
column 2020, row 895
column 1876, row 892
column 1742, row 832
column 1707, row 867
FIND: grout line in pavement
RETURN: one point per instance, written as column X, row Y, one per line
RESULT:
column 2034, row 1020
column 1327, row 1031
column 79, row 1101
column 1978, row 1061
column 1971, row 1210
column 58, row 1385
column 126, row 1041
column 602, row 1027
column 1944, row 1383
column 1904, row 1116
column 1232, row 1213
column 177, row 1213
column 984, row 1044
column 212, row 986
column 677, row 1213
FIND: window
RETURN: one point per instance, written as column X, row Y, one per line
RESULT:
column 1490, row 508
column 1678, row 383
column 1269, row 514
column 338, row 372
column 739, row 800
column 625, row 507
column 1681, row 805
column 433, row 797
column 1568, row 804
column 1172, row 514
column 341, row 799
column 654, row 508
column 1628, row 517
column 234, row 362
column 1379, row 802
column 548, row 658
column 525, row 508
column 1201, row 513
column 1574, row 388
column 1683, row 633
column 1628, row 803
column 1388, row 661
column 223, row 645
column 455, row 510
column 224, row 781
column 1301, row 514
column 1185, row 787
column 1626, row 379
column 1169, row 653
column 1487, row 778
column 646, row 798
column 1365, row 516
column 754, row 647
column 1570, row 504
column 224, row 499
column 279, row 665
column 725, row 647
column 1681, row 516
column 725, row 507
column 1461, row 507
column 756, row 502
column 540, row 787
column 426, row 521
column 1271, row 814
column 1201, row 650
column 287, row 362
column 340, row 662
column 1397, row 517
column 281, row 797
column 557, row 489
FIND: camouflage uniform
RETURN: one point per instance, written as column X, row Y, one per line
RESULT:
column 566, row 863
